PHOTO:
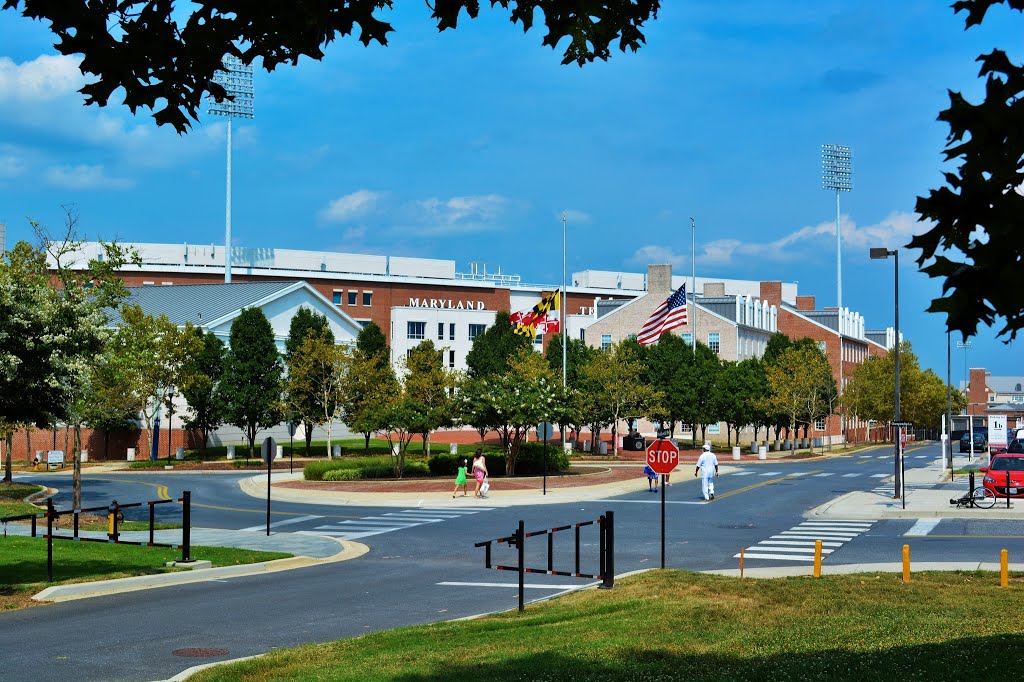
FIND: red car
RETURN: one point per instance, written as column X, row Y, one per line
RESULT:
column 997, row 470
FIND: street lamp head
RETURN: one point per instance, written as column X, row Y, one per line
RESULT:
column 881, row 253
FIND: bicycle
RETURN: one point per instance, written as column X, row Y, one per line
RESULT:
column 980, row 497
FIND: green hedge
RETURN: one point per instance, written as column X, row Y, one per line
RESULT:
column 529, row 463
column 359, row 468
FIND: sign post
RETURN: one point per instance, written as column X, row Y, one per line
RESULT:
column 544, row 431
column 903, row 428
column 662, row 457
column 291, row 447
column 267, row 451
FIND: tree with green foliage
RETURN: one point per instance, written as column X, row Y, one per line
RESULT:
column 200, row 389
column 617, row 390
column 705, row 367
column 430, row 386
column 522, row 397
column 184, row 44
column 974, row 242
column 152, row 354
column 794, row 379
column 251, row 384
column 304, row 408
column 667, row 360
column 739, row 389
column 319, row 376
column 372, row 343
column 372, row 382
column 50, row 336
column 493, row 351
column 577, row 354
column 471, row 405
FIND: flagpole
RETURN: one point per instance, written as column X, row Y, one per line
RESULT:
column 693, row 281
column 565, row 332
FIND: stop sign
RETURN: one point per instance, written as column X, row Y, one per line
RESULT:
column 662, row 456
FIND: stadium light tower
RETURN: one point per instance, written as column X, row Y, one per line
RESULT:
column 837, row 176
column 236, row 79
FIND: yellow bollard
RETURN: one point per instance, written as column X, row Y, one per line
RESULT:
column 741, row 561
column 817, row 558
column 110, row 524
column 1004, row 568
column 906, row 563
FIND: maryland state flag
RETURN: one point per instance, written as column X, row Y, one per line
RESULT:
column 543, row 318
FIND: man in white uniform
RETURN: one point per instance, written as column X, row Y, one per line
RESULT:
column 707, row 465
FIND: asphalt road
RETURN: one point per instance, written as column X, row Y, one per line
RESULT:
column 422, row 566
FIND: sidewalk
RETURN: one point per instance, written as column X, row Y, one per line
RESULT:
column 308, row 550
column 928, row 492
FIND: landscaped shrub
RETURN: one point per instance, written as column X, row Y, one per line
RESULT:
column 531, row 459
column 358, row 468
column 446, row 464
column 148, row 464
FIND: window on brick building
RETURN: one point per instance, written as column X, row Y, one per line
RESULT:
column 819, row 424
column 336, row 297
column 352, row 297
column 416, row 330
column 476, row 330
column 606, row 341
column 367, row 298
column 440, row 331
column 714, row 342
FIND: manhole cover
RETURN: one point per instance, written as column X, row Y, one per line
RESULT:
column 200, row 652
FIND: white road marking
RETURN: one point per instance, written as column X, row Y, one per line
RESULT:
column 769, row 473
column 742, row 473
column 275, row 524
column 879, row 475
column 850, row 475
column 923, row 527
column 798, row 542
column 828, row 473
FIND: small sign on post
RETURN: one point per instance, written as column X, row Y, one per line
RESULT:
column 662, row 457
column 545, row 430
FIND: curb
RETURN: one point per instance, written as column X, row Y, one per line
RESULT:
column 59, row 593
column 847, row 569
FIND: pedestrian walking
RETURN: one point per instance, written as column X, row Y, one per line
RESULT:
column 652, row 479
column 480, row 473
column 707, row 467
column 460, row 479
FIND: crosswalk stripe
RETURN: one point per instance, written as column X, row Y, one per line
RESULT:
column 865, row 456
column 769, row 473
column 743, row 473
column 879, row 475
column 791, row 550
column 799, row 542
column 824, row 475
column 777, row 557
column 838, row 524
column 923, row 527
column 814, row 536
column 883, row 457
column 275, row 524
column 798, row 473
column 850, row 475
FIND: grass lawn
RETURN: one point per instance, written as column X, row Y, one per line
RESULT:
column 672, row 625
column 11, row 496
column 23, row 563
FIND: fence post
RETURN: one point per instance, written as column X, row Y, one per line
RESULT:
column 600, row 546
column 521, row 543
column 75, row 513
column 970, row 485
column 152, row 522
column 186, row 526
column 1007, row 488
column 49, row 539
column 608, row 530
column 33, row 525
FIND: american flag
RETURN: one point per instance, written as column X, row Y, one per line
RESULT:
column 669, row 315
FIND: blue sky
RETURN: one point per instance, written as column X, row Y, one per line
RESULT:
column 468, row 145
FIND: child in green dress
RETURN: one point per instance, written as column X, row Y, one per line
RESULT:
column 460, row 478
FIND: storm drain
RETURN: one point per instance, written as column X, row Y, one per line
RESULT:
column 200, row 652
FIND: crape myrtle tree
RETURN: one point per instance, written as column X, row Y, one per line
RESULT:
column 577, row 354
column 251, row 384
column 50, row 336
column 520, row 398
column 616, row 387
column 205, row 411
column 974, row 241
column 184, row 43
column 304, row 407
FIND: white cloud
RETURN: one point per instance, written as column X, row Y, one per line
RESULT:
column 575, row 217
column 460, row 215
column 11, row 166
column 894, row 230
column 43, row 79
column 85, row 177
column 350, row 206
column 646, row 255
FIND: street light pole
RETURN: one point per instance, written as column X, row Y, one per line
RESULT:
column 236, row 79
column 693, row 280
column 837, row 176
column 882, row 254
column 949, row 407
column 170, row 419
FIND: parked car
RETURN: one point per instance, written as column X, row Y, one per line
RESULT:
column 980, row 442
column 996, row 471
column 1016, row 445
